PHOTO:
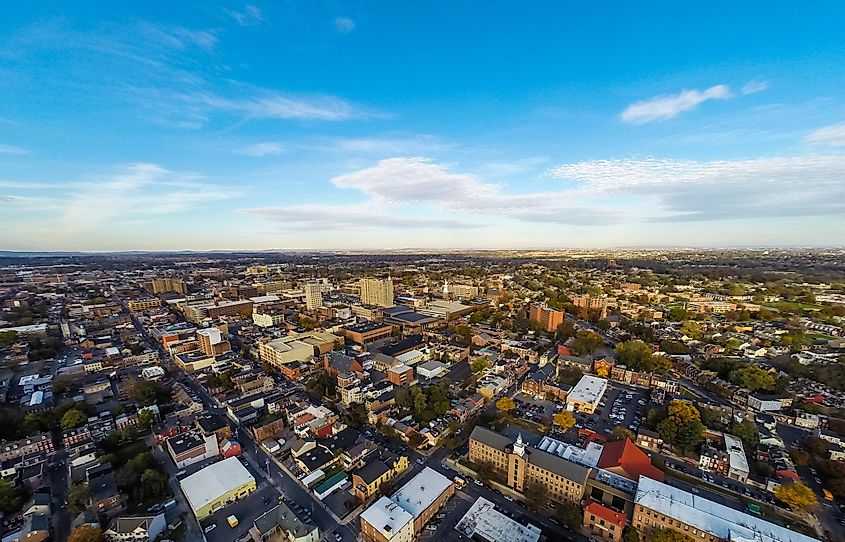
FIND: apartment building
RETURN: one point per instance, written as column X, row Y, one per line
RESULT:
column 521, row 466
column 168, row 284
column 401, row 517
column 211, row 342
column 548, row 318
column 367, row 332
column 378, row 292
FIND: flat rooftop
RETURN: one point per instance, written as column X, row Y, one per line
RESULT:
column 387, row 517
column 421, row 491
column 588, row 390
column 483, row 520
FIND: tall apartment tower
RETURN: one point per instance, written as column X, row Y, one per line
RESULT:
column 313, row 295
column 377, row 292
column 168, row 284
column 548, row 318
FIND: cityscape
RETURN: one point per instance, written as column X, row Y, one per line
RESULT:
column 321, row 271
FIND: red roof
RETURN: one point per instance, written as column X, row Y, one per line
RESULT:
column 605, row 513
column 563, row 350
column 633, row 462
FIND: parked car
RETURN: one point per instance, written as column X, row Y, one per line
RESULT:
column 210, row 528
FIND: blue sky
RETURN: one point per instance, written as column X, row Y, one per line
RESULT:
column 418, row 124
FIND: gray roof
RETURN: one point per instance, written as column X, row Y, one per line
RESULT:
column 558, row 465
column 490, row 438
column 282, row 517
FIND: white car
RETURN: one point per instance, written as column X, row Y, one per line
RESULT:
column 210, row 528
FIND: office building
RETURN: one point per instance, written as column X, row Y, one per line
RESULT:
column 377, row 292
column 521, row 466
column 548, row 318
column 661, row 506
column 313, row 295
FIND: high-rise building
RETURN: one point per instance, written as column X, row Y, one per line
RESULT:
column 377, row 292
column 168, row 284
column 547, row 317
column 211, row 341
column 313, row 295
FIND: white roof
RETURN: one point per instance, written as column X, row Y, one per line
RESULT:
column 588, row 457
column 409, row 356
column 483, row 519
column 736, row 453
column 423, row 489
column 206, row 485
column 588, row 390
column 37, row 398
column 717, row 519
column 386, row 517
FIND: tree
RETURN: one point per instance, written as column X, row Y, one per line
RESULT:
column 86, row 533
column 146, row 418
column 638, row 356
column 797, row 496
column 153, row 484
column 535, row 495
column 11, row 497
column 73, row 418
column 682, row 426
column 692, row 329
column 747, row 432
column 569, row 515
column 752, row 377
column 621, row 433
column 586, row 342
column 630, row 535
column 77, row 498
column 799, row 457
column 505, row 404
column 569, row 375
column 478, row 364
column 565, row 420
column 668, row 535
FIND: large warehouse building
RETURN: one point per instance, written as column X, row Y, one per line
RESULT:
column 216, row 486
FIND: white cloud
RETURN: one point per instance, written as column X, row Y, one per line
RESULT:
column 263, row 104
column 251, row 15
column 833, row 135
column 177, row 37
column 670, row 106
column 405, row 180
column 269, row 148
column 12, row 149
column 344, row 217
column 755, row 86
column 690, row 190
column 344, row 25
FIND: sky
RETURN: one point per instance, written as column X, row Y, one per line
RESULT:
column 385, row 125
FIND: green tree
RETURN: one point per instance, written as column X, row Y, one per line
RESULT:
column 586, row 342
column 692, row 329
column 629, row 534
column 752, row 377
column 8, row 338
column 77, row 498
column 682, row 426
column 146, row 418
column 797, row 496
column 668, row 535
column 569, row 515
column 11, row 497
column 747, row 432
column 478, row 364
column 73, row 418
column 153, row 484
column 86, row 533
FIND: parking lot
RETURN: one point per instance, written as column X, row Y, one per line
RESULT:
column 442, row 527
column 535, row 410
column 246, row 510
column 621, row 406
